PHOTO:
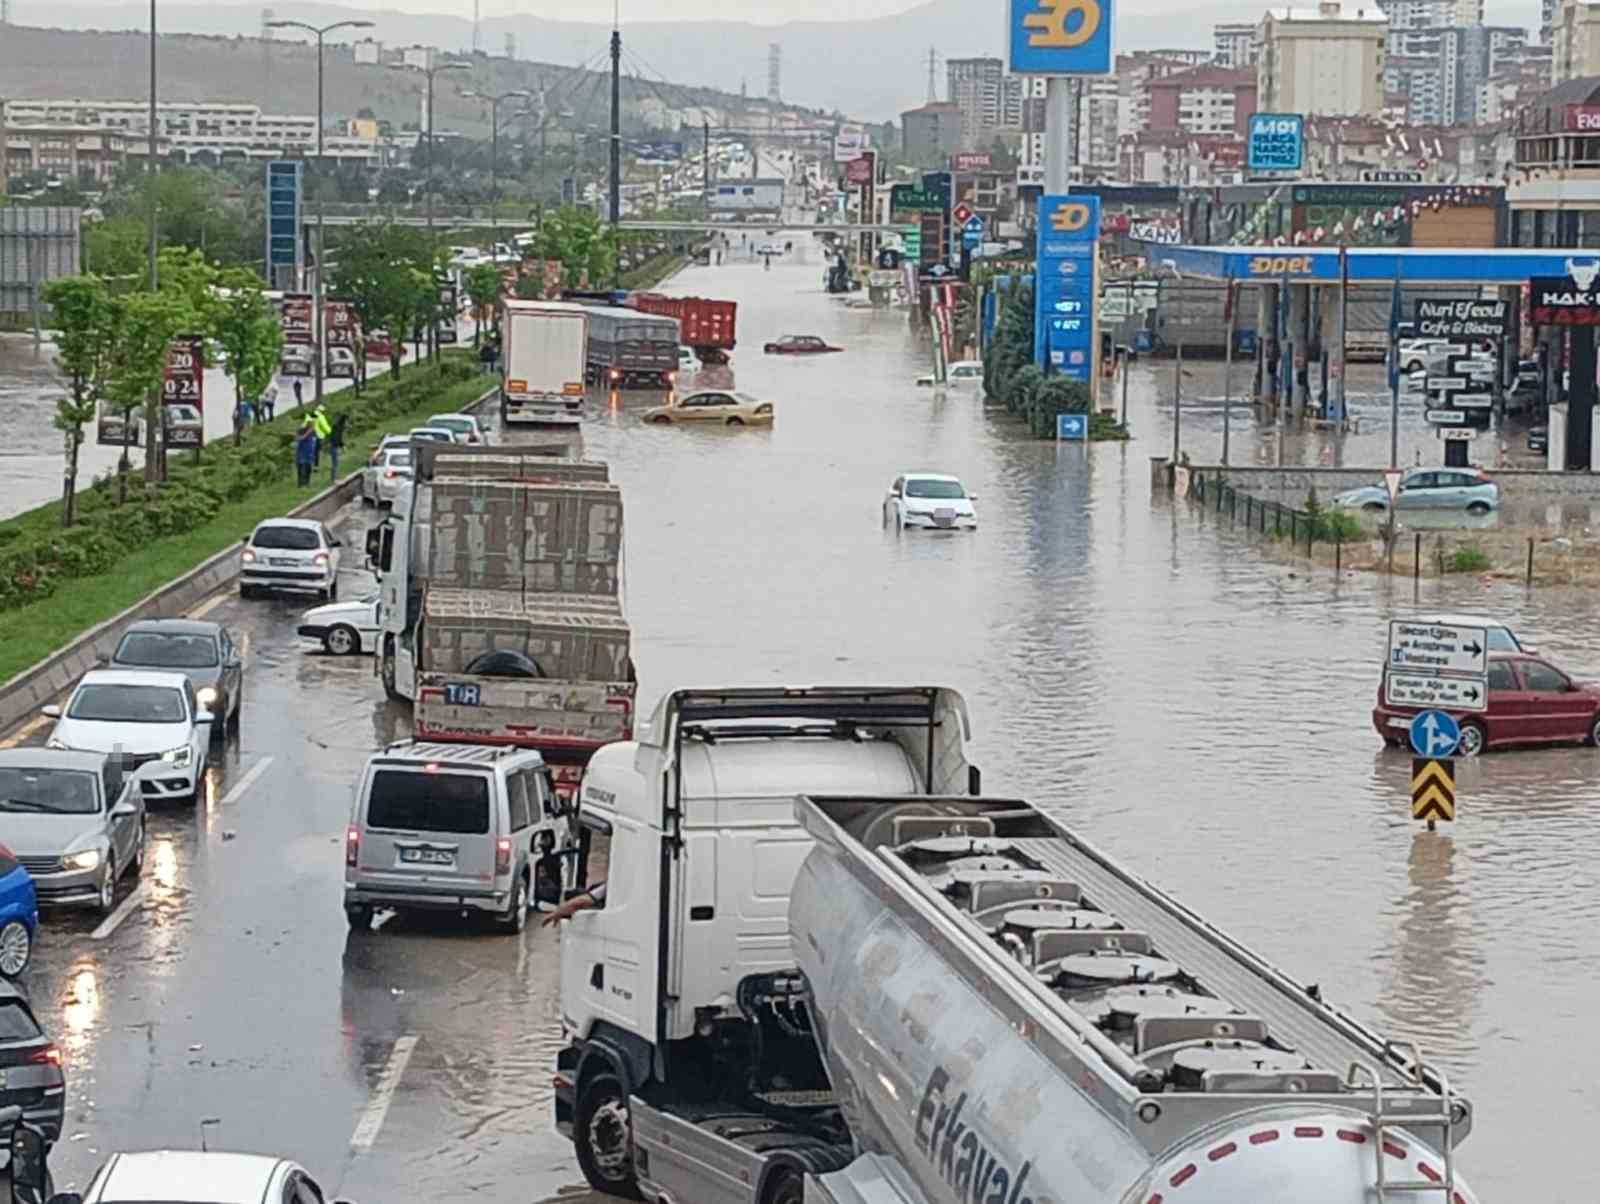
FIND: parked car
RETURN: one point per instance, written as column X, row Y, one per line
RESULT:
column 799, row 344
column 298, row 360
column 381, row 481
column 1469, row 489
column 1530, row 700
column 182, row 425
column 715, row 406
column 927, row 499
column 341, row 362
column 686, row 360
column 168, row 1175
column 290, row 554
column 464, row 427
column 447, row 827
column 202, row 651
column 19, row 914
column 31, row 1075
column 151, row 720
column 344, row 628
column 75, row 820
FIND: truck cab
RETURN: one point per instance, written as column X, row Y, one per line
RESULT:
column 679, row 997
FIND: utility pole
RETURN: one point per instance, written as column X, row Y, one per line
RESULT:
column 429, row 72
column 494, row 147
column 152, row 162
column 616, row 153
column 705, row 160
column 933, row 75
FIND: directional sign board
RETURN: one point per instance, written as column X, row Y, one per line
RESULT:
column 1072, row 426
column 1437, row 648
column 1434, row 734
column 1446, row 417
column 1402, row 689
column 1433, row 789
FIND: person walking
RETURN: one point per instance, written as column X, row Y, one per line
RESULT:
column 268, row 403
column 322, row 427
column 335, row 446
column 305, row 452
column 299, row 395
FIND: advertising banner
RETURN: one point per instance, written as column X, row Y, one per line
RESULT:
column 1565, row 300
column 296, row 318
column 1276, row 142
column 1468, row 319
column 1064, row 314
column 183, row 377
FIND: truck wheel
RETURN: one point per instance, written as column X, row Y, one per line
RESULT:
column 387, row 669
column 603, row 1137
column 785, row 1187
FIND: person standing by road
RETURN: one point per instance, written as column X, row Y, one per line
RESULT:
column 268, row 403
column 299, row 395
column 322, row 427
column 335, row 446
column 305, row 452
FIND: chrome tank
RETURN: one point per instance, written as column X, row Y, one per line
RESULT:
column 930, row 1073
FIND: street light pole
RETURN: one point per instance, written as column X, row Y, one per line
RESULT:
column 494, row 149
column 319, row 334
column 154, row 233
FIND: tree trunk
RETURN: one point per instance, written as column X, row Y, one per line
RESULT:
column 69, row 484
column 152, row 451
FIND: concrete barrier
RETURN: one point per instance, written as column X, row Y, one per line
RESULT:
column 31, row 689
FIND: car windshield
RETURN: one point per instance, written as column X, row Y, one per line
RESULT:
column 409, row 801
column 453, row 424
column 167, row 650
column 746, row 398
column 400, row 459
column 51, row 791
column 436, row 436
column 300, row 539
column 1501, row 640
column 935, row 489
column 127, row 703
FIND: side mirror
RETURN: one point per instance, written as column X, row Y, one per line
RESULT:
column 974, row 780
column 204, row 716
column 123, row 810
column 52, row 711
column 102, row 659
column 29, row 1174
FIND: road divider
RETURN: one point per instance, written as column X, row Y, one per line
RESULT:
column 377, row 1109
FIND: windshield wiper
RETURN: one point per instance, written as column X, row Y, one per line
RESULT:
column 24, row 804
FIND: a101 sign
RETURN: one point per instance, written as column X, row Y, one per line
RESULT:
column 1061, row 37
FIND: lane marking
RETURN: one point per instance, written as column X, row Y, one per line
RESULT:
column 244, row 783
column 377, row 1109
column 26, row 730
column 129, row 905
column 209, row 605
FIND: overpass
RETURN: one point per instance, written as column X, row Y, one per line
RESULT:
column 705, row 225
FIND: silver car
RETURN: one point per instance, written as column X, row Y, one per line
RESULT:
column 75, row 820
column 1469, row 489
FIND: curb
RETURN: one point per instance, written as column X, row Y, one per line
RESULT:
column 37, row 685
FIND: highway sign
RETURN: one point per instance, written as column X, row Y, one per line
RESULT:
column 1446, row 417
column 973, row 224
column 1425, row 690
column 1060, row 37
column 1472, row 401
column 1437, row 648
column 1433, row 789
column 1072, row 426
column 962, row 213
column 1434, row 734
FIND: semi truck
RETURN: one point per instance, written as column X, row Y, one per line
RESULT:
column 629, row 349
column 706, row 326
column 542, row 363
column 798, row 989
column 500, row 602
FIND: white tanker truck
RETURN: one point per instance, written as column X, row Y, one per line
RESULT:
column 893, row 991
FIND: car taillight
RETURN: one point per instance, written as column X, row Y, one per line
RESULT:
column 502, row 856
column 390, row 473
column 48, row 1056
column 352, row 845
column 248, row 557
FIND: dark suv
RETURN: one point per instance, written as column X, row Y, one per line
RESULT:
column 33, row 1079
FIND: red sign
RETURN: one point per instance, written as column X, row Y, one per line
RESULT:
column 183, row 378
column 972, row 161
column 1584, row 117
column 340, row 321
column 962, row 213
column 296, row 320
column 859, row 171
column 1114, row 223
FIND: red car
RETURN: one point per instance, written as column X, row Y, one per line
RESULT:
column 1530, row 702
column 380, row 347
column 799, row 344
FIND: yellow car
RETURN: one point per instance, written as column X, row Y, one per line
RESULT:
column 714, row 405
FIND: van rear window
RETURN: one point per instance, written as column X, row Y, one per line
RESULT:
column 408, row 801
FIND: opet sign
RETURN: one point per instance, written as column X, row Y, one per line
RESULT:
column 1281, row 265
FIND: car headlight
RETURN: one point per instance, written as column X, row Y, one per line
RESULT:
column 178, row 756
column 87, row 860
column 206, row 695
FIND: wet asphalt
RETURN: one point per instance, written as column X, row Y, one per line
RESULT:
column 1135, row 666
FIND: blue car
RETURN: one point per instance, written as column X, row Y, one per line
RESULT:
column 19, row 915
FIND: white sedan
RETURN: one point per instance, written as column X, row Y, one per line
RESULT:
column 152, row 720
column 928, row 499
column 344, row 628
column 164, row 1175
column 383, row 479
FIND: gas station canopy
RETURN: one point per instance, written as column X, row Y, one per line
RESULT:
column 1374, row 265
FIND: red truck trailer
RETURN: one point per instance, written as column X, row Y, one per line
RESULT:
column 706, row 325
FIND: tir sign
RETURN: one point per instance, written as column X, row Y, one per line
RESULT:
column 1066, row 219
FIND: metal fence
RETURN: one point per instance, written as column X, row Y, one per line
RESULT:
column 1301, row 527
column 37, row 243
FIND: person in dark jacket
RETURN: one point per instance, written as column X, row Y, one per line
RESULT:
column 335, row 446
column 305, row 451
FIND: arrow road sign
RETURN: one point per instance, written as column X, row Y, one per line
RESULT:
column 1423, row 690
column 1433, row 789
column 1434, row 734
column 1446, row 417
column 1438, row 647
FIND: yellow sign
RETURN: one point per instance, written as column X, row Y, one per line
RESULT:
column 1433, row 789
column 1047, row 28
column 1064, row 219
column 1280, row 265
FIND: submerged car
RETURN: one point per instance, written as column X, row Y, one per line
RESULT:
column 927, row 499
column 1469, row 489
column 344, row 628
column 799, row 344
column 290, row 554
column 962, row 372
column 464, row 427
column 715, row 406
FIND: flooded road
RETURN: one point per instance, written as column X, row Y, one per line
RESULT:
column 1130, row 664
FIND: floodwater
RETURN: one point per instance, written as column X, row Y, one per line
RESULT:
column 1130, row 664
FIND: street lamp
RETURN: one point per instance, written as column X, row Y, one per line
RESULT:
column 320, row 335
column 430, row 71
column 494, row 147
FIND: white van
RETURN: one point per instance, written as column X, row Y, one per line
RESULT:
column 468, row 828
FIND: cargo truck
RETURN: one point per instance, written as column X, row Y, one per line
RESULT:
column 500, row 608
column 912, row 995
column 629, row 349
column 705, row 326
column 543, row 349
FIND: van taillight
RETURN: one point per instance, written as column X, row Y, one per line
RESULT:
column 48, row 1056
column 352, row 845
column 502, row 856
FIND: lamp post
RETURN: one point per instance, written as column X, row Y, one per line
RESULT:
column 154, row 229
column 427, row 185
column 319, row 335
column 494, row 148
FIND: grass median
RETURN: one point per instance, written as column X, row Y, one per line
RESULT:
column 34, row 630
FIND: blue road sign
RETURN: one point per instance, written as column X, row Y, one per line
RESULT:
column 974, row 225
column 1060, row 37
column 284, row 201
column 1435, row 734
column 1064, row 308
column 1072, row 426
column 1277, row 142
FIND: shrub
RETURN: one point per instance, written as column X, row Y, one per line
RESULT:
column 1469, row 558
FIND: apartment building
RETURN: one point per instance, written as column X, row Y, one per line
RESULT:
column 1323, row 61
column 1234, row 43
column 1204, row 100
column 975, row 87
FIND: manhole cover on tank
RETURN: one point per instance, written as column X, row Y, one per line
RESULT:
column 1045, row 915
column 1086, row 971
column 1129, row 1004
column 1244, row 1065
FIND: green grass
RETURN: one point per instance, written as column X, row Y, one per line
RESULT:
column 32, row 632
column 1469, row 558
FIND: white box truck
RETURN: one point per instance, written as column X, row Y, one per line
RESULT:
column 543, row 349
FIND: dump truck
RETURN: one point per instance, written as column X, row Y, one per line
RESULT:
column 705, row 326
column 501, row 622
column 629, row 349
column 543, row 356
column 915, row 993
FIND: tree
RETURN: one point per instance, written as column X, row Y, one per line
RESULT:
column 148, row 324
column 116, row 247
column 245, row 325
column 381, row 269
column 587, row 250
column 483, row 287
column 85, row 334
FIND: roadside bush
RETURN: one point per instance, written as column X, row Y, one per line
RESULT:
column 1469, row 558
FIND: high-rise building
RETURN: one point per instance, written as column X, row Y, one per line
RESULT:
column 1575, row 41
column 975, row 87
column 1547, row 19
column 1235, row 43
column 1469, row 56
column 932, row 133
column 1327, row 61
column 1204, row 101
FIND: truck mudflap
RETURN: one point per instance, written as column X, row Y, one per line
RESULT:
column 527, row 712
column 870, row 1179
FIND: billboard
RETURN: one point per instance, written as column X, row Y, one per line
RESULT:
column 743, row 196
column 1064, row 312
column 859, row 171
column 1060, row 37
column 966, row 161
column 1276, row 142
column 183, row 376
column 339, row 321
column 849, row 142
column 284, row 218
column 296, row 318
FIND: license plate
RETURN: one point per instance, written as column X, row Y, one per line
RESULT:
column 1401, row 723
column 428, row 856
column 462, row 694
column 282, row 562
